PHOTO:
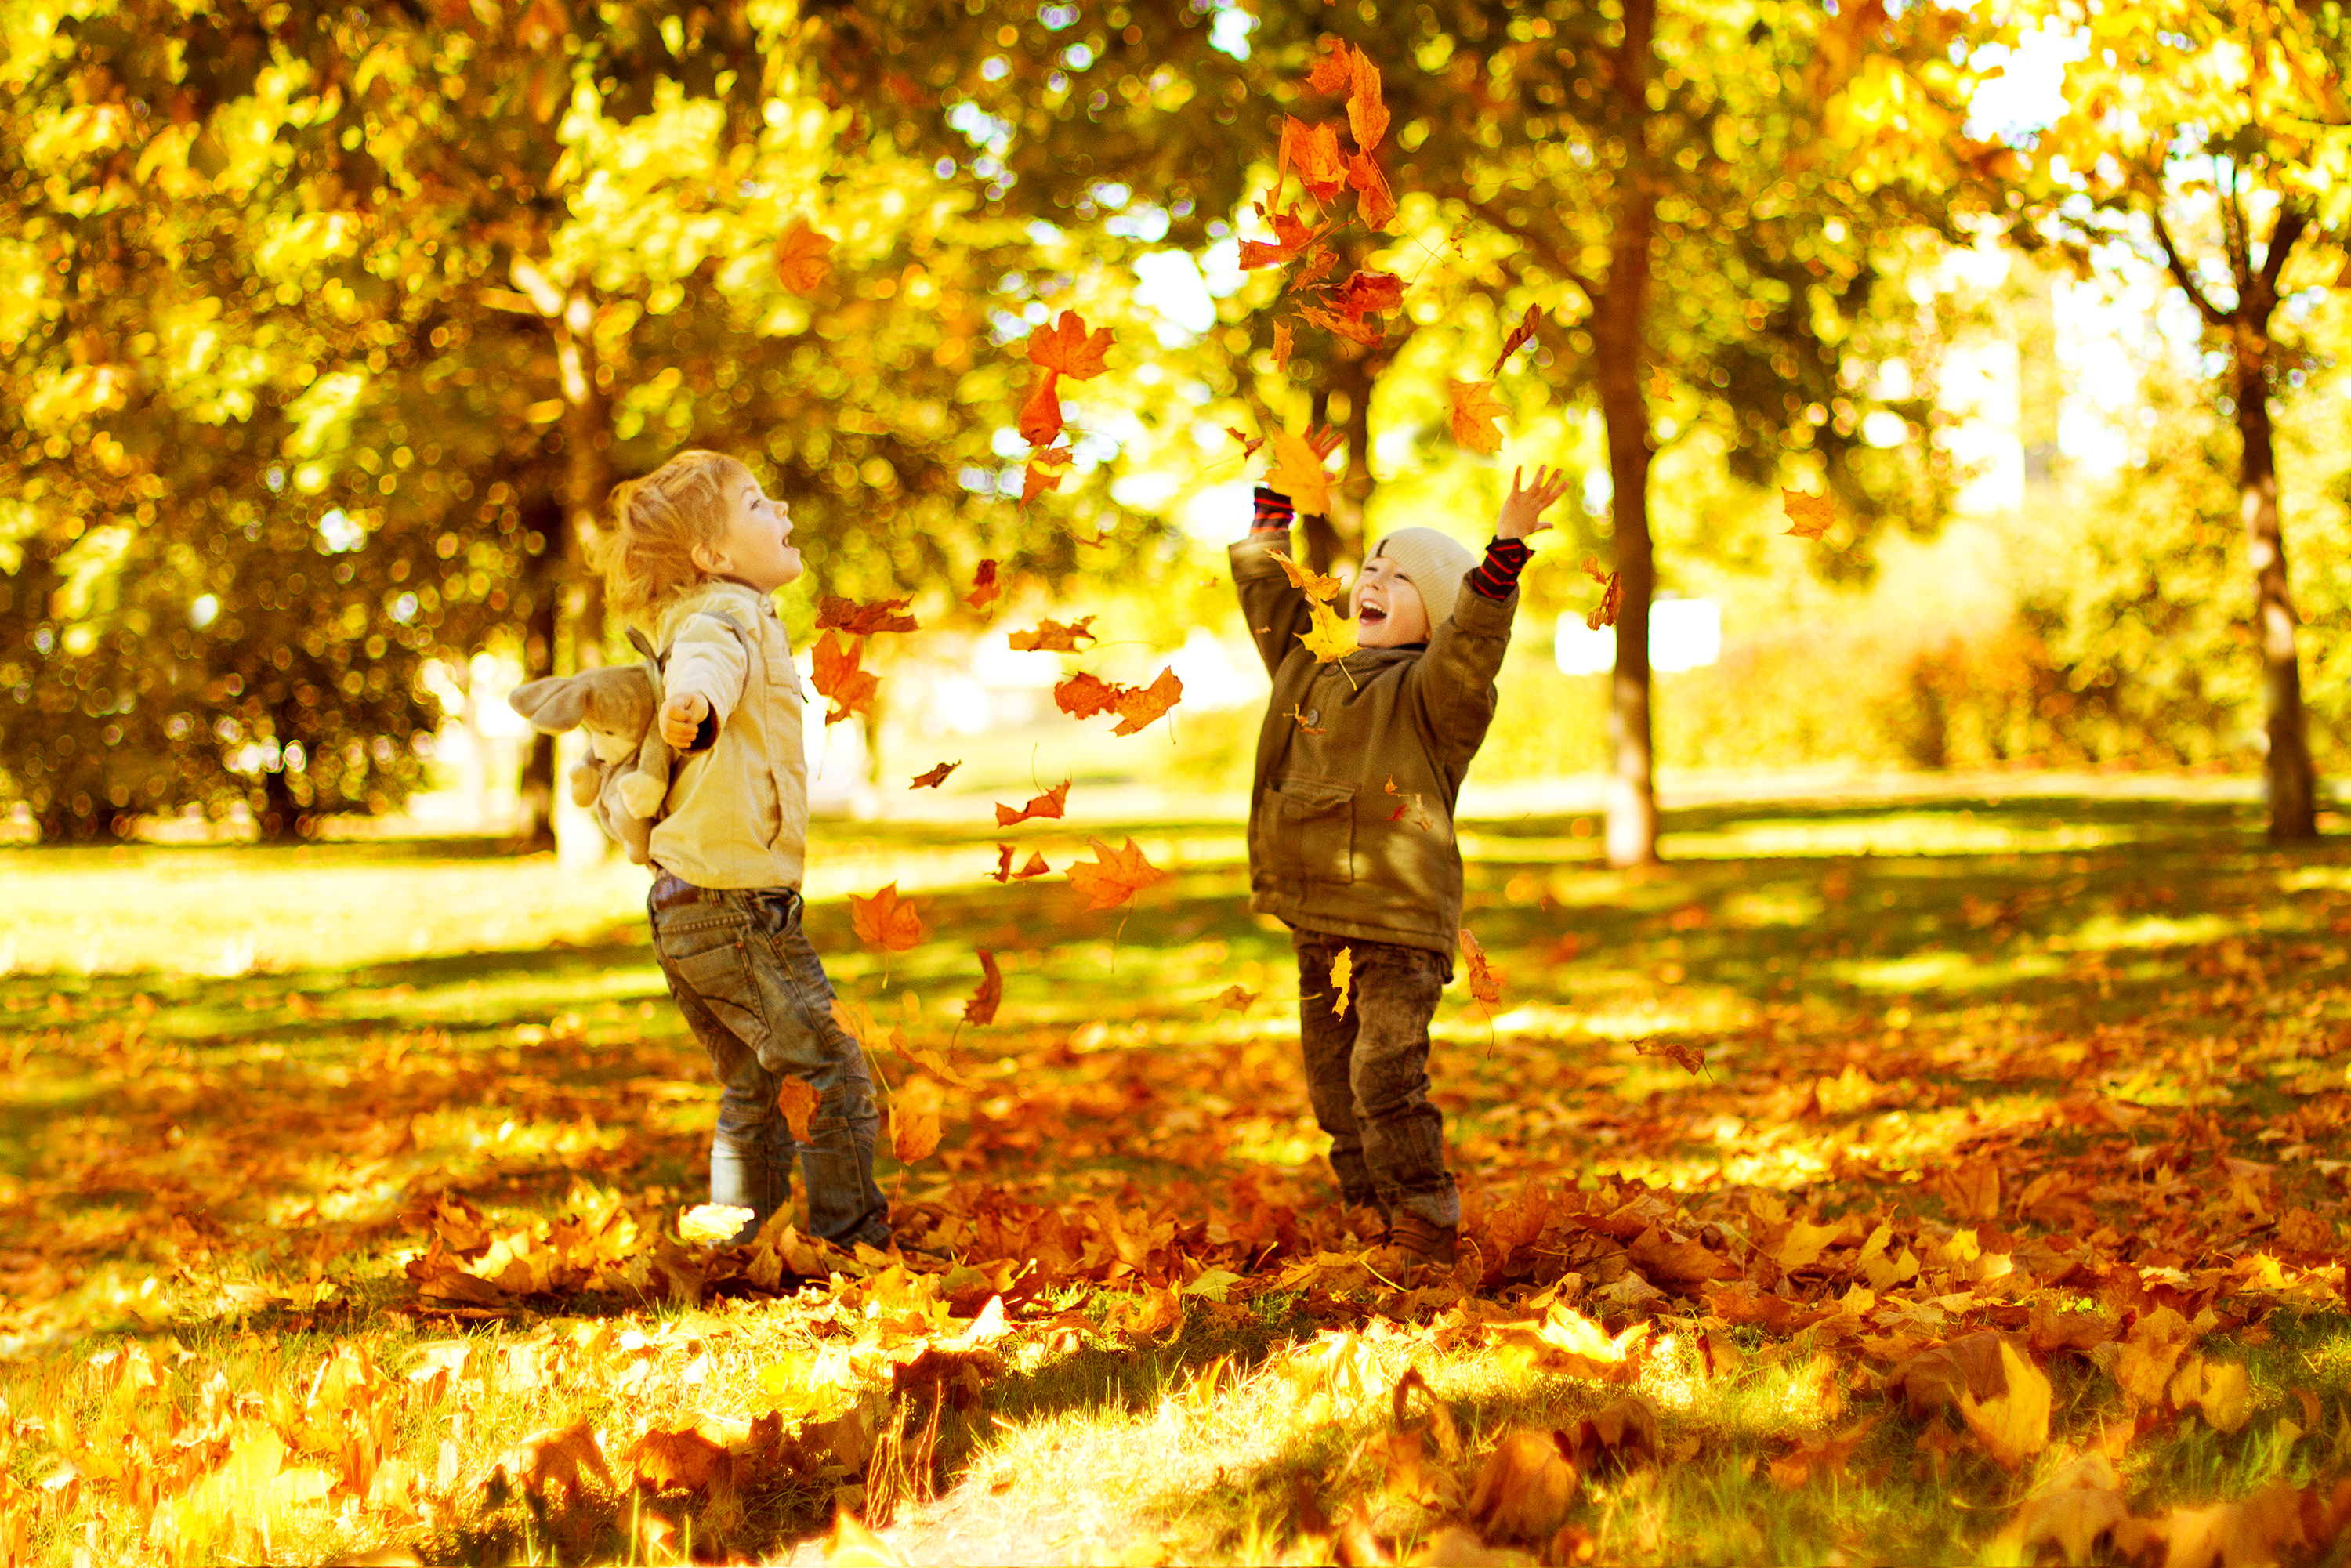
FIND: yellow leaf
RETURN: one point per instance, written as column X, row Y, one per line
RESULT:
column 1299, row 473
column 1477, row 415
column 2015, row 1426
column 716, row 1221
column 1332, row 638
column 1343, row 979
column 1317, row 585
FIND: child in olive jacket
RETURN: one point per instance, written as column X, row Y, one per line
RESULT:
column 1350, row 843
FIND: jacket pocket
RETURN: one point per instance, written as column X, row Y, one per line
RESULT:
column 1314, row 830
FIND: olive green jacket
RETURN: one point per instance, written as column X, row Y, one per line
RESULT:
column 1331, row 848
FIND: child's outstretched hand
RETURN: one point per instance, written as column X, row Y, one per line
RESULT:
column 681, row 719
column 1522, row 509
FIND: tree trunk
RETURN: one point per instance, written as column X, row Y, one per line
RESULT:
column 1617, row 327
column 2292, row 778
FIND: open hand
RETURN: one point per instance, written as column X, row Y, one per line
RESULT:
column 1523, row 507
column 681, row 719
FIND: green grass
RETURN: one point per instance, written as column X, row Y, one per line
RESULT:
column 237, row 1073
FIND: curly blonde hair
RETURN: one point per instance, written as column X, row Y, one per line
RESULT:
column 647, row 557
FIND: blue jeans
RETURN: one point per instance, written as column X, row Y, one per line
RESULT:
column 1367, row 1074
column 757, row 997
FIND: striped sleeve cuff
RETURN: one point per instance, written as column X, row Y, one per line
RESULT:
column 1497, row 577
column 1274, row 512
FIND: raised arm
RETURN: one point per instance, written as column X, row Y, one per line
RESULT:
column 1453, row 683
column 1275, row 612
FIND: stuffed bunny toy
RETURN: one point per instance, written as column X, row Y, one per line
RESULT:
column 625, row 775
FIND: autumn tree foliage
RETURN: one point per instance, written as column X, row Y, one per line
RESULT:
column 2212, row 139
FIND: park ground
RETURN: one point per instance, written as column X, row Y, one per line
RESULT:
column 1940, row 1176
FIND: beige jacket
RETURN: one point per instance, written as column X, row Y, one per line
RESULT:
column 737, row 814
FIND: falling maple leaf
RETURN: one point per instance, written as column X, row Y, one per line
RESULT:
column 1373, row 204
column 1808, row 517
column 1034, row 866
column 1051, row 804
column 1367, row 116
column 1612, row 595
column 1520, row 334
column 1299, row 473
column 1237, row 998
column 1484, row 981
column 1317, row 585
column 1369, row 293
column 1249, row 443
column 1291, row 235
column 838, row 677
column 1314, row 152
column 1354, row 328
column 1408, row 806
column 1332, row 638
column 935, row 776
column 1304, row 727
column 1084, row 695
column 1320, row 262
column 1335, row 70
column 1040, row 411
column 834, row 614
column 981, row 1011
column 1067, row 348
column 1044, row 473
column 984, row 587
column 1475, row 419
column 1115, row 875
column 1053, row 636
column 884, row 920
column 803, row 258
column 1282, row 348
column 915, row 1120
column 796, row 1101
column 1342, row 980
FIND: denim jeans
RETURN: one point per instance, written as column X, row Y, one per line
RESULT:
column 757, row 997
column 1367, row 1073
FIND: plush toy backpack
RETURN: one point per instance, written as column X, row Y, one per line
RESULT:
column 625, row 775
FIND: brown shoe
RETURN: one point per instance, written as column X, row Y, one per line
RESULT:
column 1414, row 1244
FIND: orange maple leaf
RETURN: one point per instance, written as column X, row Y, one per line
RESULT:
column 1373, row 204
column 1299, row 473
column 1115, row 875
column 1053, row 636
column 1304, row 727
column 1369, row 293
column 981, row 1011
column 1138, row 706
column 1034, row 866
column 885, row 920
column 1084, row 695
column 1519, row 334
column 1053, row 802
column 1040, row 411
column 1314, row 152
column 1237, row 998
column 935, row 776
column 1362, row 331
column 1249, row 443
column 839, row 677
column 1281, row 346
column 1808, row 517
column 838, row 614
column 1044, row 473
column 1367, row 116
column 1612, row 595
column 1334, row 70
column 1477, row 415
column 1319, row 263
column 1290, row 236
column 796, row 1098
column 1068, row 347
column 1484, row 981
column 803, row 258
column 984, row 587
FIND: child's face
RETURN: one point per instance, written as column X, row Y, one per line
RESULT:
column 1387, row 608
column 753, row 549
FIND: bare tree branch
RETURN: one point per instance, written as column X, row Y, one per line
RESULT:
column 2293, row 218
column 2181, row 272
column 1549, row 248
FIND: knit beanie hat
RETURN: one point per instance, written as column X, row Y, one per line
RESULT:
column 1435, row 562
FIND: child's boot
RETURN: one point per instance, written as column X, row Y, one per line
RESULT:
column 1415, row 1243
column 1366, row 1222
